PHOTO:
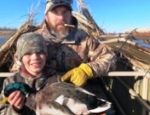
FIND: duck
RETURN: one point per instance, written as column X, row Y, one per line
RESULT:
column 60, row 98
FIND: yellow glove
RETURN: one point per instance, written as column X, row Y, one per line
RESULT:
column 79, row 75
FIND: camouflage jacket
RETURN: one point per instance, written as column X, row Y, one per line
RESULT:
column 47, row 78
column 67, row 53
column 78, row 47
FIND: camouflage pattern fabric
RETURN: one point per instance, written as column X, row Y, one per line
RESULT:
column 51, row 4
column 29, row 43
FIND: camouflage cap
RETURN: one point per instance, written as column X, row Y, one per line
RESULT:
column 51, row 4
column 29, row 43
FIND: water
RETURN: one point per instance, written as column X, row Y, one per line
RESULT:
column 2, row 40
column 142, row 43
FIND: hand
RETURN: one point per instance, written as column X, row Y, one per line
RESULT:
column 79, row 75
column 17, row 100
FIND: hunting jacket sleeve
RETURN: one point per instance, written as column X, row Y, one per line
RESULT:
column 101, row 59
column 6, row 109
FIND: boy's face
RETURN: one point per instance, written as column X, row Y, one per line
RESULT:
column 57, row 18
column 34, row 62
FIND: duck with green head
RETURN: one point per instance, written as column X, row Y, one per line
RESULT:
column 64, row 98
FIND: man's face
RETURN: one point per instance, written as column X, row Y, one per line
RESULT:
column 57, row 18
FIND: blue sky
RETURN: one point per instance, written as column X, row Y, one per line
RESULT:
column 110, row 15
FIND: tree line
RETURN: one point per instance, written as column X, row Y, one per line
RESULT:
column 7, row 29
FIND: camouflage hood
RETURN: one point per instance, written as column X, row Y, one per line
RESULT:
column 29, row 43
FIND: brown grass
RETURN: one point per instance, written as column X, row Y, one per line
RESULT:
column 7, row 33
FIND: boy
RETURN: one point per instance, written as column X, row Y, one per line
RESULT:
column 31, row 56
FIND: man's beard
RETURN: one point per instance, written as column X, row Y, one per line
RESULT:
column 60, row 32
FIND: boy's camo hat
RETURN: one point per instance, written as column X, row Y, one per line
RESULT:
column 29, row 43
column 51, row 4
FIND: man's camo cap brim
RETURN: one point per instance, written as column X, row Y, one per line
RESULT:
column 51, row 4
column 30, row 43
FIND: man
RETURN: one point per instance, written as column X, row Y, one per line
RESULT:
column 72, row 50
column 75, row 55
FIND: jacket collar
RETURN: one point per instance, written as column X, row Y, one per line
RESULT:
column 29, row 76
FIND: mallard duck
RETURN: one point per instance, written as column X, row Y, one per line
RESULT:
column 60, row 97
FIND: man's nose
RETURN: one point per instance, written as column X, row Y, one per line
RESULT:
column 60, row 17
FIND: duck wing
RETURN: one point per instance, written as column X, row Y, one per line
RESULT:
column 52, row 108
column 75, row 98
